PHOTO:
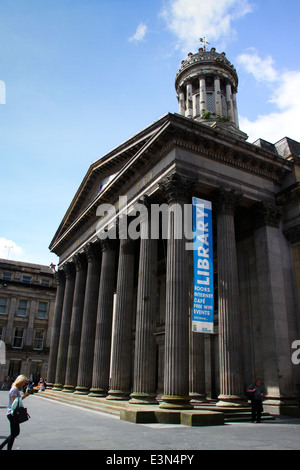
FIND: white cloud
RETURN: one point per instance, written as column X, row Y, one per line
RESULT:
column 191, row 19
column 284, row 95
column 10, row 250
column 262, row 69
column 140, row 33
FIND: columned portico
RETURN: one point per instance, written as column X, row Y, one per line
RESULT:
column 122, row 326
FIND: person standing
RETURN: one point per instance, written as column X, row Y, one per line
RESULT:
column 255, row 394
column 14, row 393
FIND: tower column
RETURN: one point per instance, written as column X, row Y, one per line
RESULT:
column 85, row 369
column 231, row 382
column 218, row 100
column 181, row 103
column 189, row 100
column 76, row 323
column 203, row 104
column 229, row 102
column 60, row 278
column 235, row 110
column 100, row 383
column 176, row 376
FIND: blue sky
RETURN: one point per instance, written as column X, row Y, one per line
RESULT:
column 78, row 77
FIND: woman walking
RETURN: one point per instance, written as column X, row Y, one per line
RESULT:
column 14, row 393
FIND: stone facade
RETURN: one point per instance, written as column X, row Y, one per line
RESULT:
column 27, row 300
column 123, row 313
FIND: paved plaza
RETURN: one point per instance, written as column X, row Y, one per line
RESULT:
column 59, row 426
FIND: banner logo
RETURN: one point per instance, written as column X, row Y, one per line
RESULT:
column 203, row 301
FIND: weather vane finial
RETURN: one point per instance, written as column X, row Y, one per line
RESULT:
column 204, row 42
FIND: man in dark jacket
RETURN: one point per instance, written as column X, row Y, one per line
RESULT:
column 254, row 392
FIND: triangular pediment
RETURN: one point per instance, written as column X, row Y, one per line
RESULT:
column 102, row 173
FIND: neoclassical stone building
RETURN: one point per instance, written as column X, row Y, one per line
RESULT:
column 122, row 326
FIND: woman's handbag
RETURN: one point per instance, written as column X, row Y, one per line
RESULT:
column 20, row 413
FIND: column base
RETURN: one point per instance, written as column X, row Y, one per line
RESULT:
column 231, row 401
column 142, row 399
column 57, row 387
column 81, row 390
column 98, row 392
column 118, row 395
column 68, row 388
column 198, row 397
column 176, row 402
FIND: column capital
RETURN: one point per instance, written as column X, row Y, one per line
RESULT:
column 69, row 270
column 80, row 261
column 266, row 213
column 60, row 276
column 92, row 251
column 175, row 187
column 226, row 200
column 108, row 244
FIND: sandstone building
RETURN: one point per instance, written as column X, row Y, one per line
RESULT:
column 122, row 325
column 27, row 300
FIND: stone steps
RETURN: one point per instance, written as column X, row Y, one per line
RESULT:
column 84, row 401
column 237, row 414
column 203, row 412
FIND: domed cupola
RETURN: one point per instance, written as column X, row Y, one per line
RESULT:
column 206, row 85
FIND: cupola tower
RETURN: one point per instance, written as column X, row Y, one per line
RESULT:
column 206, row 85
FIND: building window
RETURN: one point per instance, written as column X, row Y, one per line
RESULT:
column 38, row 341
column 45, row 282
column 22, row 308
column 42, row 310
column 18, row 338
column 7, row 276
column 210, row 102
column 1, row 333
column 26, row 279
column 3, row 304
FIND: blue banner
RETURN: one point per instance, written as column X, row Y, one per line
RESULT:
column 203, row 301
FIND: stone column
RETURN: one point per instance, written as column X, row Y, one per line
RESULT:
column 176, row 375
column 197, row 367
column 235, row 110
column 203, row 104
column 144, row 386
column 181, row 103
column 218, row 100
column 60, row 278
column 229, row 102
column 231, row 382
column 69, row 270
column 122, row 339
column 85, row 368
column 76, row 322
column 275, row 355
column 189, row 100
column 102, row 350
